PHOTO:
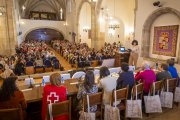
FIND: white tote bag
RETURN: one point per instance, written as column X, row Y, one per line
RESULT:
column 50, row 111
column 177, row 95
column 87, row 115
column 166, row 97
column 134, row 108
column 153, row 103
column 112, row 113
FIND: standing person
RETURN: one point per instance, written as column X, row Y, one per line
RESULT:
column 54, row 93
column 11, row 96
column 134, row 53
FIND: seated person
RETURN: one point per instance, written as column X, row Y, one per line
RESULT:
column 172, row 69
column 29, row 63
column 108, row 83
column 164, row 73
column 11, row 96
column 147, row 76
column 88, row 87
column 39, row 62
column 58, row 91
column 19, row 67
column 6, row 72
column 126, row 78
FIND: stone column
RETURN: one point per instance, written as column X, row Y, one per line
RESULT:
column 93, row 25
column 7, row 28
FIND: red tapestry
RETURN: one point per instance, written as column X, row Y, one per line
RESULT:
column 165, row 40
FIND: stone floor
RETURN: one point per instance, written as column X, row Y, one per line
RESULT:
column 63, row 62
column 168, row 114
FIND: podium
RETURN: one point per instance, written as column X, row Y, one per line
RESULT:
column 121, row 57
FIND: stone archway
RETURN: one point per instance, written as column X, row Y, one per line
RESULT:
column 42, row 27
column 145, row 49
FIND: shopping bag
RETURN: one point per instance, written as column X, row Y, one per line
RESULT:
column 152, row 103
column 112, row 113
column 166, row 98
column 177, row 95
column 134, row 108
column 87, row 115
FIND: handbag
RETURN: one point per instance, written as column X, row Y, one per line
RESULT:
column 87, row 115
column 177, row 95
column 152, row 103
column 166, row 97
column 134, row 108
column 112, row 113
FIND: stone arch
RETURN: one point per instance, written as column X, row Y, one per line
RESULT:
column 24, row 37
column 146, row 32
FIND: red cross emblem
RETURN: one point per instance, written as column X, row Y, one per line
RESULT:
column 52, row 98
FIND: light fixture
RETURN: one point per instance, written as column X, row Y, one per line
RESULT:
column 2, row 10
column 65, row 24
column 61, row 13
column 113, row 24
column 94, row 0
column 23, row 7
column 86, row 28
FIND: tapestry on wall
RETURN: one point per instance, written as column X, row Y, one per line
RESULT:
column 165, row 40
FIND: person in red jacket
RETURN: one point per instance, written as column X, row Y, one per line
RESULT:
column 147, row 76
column 54, row 93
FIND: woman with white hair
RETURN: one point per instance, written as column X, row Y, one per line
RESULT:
column 147, row 76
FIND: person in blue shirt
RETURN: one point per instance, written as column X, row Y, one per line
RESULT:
column 172, row 69
column 126, row 78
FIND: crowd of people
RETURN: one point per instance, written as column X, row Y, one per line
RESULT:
column 9, row 92
column 82, row 55
column 32, row 53
column 37, row 52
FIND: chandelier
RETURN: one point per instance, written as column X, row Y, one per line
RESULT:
column 113, row 24
column 86, row 28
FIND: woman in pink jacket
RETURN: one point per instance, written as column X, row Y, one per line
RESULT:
column 147, row 76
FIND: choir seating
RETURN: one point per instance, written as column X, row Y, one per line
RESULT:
column 140, row 89
column 29, row 70
column 39, row 69
column 158, row 87
column 122, row 96
column 11, row 114
column 62, row 108
column 95, row 99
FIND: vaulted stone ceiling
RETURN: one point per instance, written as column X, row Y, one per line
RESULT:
column 51, row 6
